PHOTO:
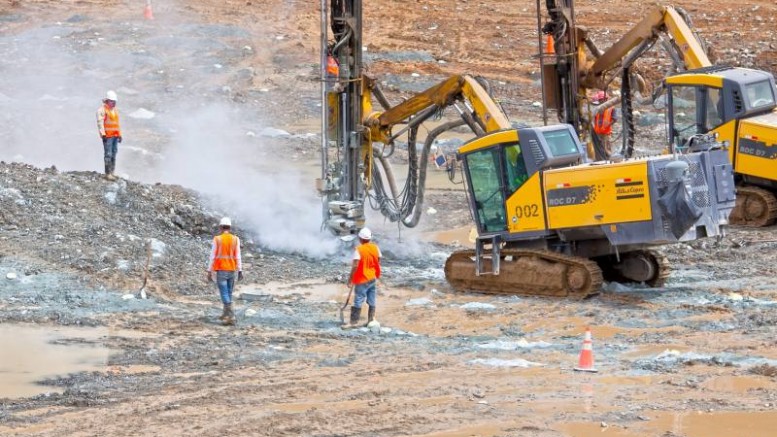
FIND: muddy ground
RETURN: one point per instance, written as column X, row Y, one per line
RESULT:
column 697, row 358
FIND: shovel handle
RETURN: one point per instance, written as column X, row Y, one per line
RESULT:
column 347, row 299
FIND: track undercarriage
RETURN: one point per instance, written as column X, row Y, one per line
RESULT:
column 546, row 273
column 755, row 207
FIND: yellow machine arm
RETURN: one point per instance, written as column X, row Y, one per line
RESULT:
column 663, row 18
column 486, row 113
column 571, row 72
column 477, row 109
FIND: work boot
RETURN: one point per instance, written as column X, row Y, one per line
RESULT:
column 229, row 320
column 108, row 171
column 112, row 168
column 355, row 315
column 370, row 315
column 224, row 313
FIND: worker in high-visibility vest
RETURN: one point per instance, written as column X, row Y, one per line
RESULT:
column 226, row 262
column 110, row 132
column 604, row 120
column 365, row 272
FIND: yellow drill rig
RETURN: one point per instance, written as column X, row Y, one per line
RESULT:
column 549, row 221
column 737, row 105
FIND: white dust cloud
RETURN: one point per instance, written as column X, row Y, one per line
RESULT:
column 52, row 80
column 211, row 154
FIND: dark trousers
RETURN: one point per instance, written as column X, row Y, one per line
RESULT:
column 110, row 149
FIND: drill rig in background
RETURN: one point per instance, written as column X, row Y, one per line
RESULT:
column 737, row 105
column 570, row 72
column 342, row 181
column 549, row 221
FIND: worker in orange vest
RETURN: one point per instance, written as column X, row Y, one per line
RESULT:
column 108, row 126
column 603, row 121
column 365, row 272
column 225, row 260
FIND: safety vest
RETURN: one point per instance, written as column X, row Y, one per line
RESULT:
column 111, row 122
column 226, row 252
column 603, row 122
column 331, row 66
column 368, row 267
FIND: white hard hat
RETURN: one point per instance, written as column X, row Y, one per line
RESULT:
column 225, row 222
column 365, row 234
column 111, row 95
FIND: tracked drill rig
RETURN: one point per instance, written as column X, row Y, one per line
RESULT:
column 736, row 105
column 577, row 65
column 550, row 221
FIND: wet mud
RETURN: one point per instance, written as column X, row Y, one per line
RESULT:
column 695, row 358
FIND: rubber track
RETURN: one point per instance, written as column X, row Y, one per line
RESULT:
column 517, row 279
column 747, row 194
column 663, row 267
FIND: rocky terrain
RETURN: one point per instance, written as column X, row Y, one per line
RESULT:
column 77, row 221
column 219, row 102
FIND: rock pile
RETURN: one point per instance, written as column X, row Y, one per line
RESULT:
column 77, row 221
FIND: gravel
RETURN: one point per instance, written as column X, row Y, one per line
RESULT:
column 80, row 222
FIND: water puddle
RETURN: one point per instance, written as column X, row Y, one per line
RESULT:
column 578, row 429
column 654, row 349
column 722, row 424
column 35, row 353
column 464, row 236
column 314, row 290
column 736, row 384
column 477, row 430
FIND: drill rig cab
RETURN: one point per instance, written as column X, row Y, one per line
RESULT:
column 710, row 100
column 499, row 169
column 739, row 107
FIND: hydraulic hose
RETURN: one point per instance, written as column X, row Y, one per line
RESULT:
column 419, row 202
column 628, row 115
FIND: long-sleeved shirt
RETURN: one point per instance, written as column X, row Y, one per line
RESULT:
column 214, row 251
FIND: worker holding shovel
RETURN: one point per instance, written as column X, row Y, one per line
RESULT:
column 365, row 271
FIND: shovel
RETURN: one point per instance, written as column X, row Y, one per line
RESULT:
column 342, row 308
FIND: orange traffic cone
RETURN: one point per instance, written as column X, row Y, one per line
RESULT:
column 586, row 361
column 148, row 14
column 550, row 47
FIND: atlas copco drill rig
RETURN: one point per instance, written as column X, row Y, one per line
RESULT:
column 550, row 221
column 736, row 105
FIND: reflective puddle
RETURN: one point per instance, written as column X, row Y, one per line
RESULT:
column 314, row 290
column 29, row 354
column 691, row 424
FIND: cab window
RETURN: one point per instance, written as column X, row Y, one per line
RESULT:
column 561, row 142
column 714, row 109
column 516, row 168
column 487, row 189
column 759, row 94
column 683, row 114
